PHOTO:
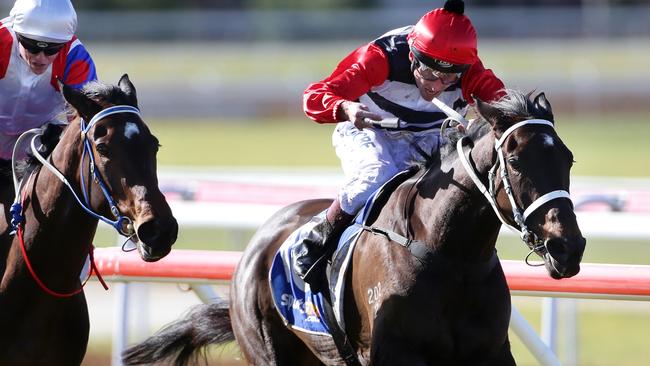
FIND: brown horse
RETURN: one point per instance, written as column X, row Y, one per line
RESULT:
column 111, row 162
column 425, row 286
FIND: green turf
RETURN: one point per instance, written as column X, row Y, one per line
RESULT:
column 606, row 337
column 608, row 145
column 616, row 60
column 600, row 149
column 238, row 143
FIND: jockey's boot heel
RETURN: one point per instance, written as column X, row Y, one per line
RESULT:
column 312, row 252
column 306, row 253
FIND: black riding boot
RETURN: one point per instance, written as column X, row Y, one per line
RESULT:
column 309, row 255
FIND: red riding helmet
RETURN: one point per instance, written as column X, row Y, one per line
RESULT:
column 445, row 39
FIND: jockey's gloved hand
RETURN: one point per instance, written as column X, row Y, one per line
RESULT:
column 359, row 114
column 49, row 137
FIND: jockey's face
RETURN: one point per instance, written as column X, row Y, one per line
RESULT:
column 38, row 62
column 432, row 83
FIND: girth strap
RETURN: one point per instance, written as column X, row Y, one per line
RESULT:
column 339, row 337
column 427, row 255
column 417, row 248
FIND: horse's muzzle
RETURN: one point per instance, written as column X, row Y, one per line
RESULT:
column 563, row 256
column 156, row 238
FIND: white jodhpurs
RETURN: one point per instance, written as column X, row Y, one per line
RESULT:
column 370, row 157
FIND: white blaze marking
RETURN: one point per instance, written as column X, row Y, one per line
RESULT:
column 548, row 140
column 130, row 130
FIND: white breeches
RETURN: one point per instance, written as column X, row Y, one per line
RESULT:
column 370, row 157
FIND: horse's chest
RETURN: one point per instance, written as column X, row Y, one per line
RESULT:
column 440, row 317
column 44, row 333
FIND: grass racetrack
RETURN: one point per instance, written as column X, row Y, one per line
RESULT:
column 603, row 145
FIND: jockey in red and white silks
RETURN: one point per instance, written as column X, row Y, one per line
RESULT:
column 396, row 75
column 37, row 47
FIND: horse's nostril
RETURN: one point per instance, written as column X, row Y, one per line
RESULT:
column 566, row 251
column 557, row 249
column 555, row 245
column 149, row 231
column 156, row 233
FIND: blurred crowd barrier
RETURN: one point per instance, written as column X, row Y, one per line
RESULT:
column 256, row 80
column 256, row 63
column 282, row 25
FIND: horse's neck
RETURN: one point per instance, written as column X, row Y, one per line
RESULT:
column 451, row 214
column 56, row 227
column 50, row 190
column 67, row 159
column 66, row 156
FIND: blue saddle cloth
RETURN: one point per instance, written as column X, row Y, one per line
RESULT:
column 300, row 307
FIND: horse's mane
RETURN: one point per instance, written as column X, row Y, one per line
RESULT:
column 515, row 105
column 103, row 94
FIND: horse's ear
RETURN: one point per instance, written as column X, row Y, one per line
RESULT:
column 543, row 106
column 489, row 113
column 85, row 106
column 127, row 87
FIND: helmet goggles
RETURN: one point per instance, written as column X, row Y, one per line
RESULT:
column 436, row 64
column 429, row 74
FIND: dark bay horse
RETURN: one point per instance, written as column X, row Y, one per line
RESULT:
column 442, row 299
column 102, row 169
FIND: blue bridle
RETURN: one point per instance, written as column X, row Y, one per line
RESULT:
column 123, row 224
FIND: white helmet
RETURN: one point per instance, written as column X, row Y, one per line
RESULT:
column 44, row 20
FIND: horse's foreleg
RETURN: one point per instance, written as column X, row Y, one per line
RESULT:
column 395, row 352
column 401, row 337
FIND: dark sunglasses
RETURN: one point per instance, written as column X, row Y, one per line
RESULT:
column 35, row 47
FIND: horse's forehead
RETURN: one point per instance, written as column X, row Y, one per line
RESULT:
column 130, row 126
column 545, row 139
column 131, row 129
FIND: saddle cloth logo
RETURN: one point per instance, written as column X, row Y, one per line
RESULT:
column 300, row 307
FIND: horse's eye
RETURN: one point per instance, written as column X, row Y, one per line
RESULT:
column 513, row 161
column 102, row 149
